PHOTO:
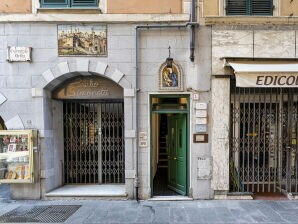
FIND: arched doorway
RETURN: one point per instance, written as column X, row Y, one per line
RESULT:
column 93, row 130
column 2, row 124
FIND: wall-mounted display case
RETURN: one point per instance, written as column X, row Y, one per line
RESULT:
column 16, row 156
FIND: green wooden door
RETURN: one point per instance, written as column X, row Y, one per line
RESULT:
column 177, row 153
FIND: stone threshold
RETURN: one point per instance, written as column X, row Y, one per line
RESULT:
column 234, row 196
column 170, row 198
column 88, row 191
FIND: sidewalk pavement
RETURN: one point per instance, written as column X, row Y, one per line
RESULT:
column 129, row 211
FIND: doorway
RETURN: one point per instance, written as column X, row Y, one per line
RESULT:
column 169, row 151
column 93, row 142
column 263, row 143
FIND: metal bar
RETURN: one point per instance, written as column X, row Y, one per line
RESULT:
column 269, row 146
column 239, row 140
column 280, row 135
column 99, row 120
column 113, row 138
column 254, row 131
column 110, row 144
column 67, row 145
column 248, row 141
column 92, row 147
column 234, row 142
column 289, row 149
column 243, row 139
column 296, row 153
column 106, row 143
column 117, row 143
column 73, row 140
column 264, row 139
column 259, row 136
column 276, row 142
column 123, row 144
column 89, row 140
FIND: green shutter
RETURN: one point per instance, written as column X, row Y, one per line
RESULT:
column 237, row 7
column 84, row 3
column 69, row 3
column 249, row 7
column 54, row 3
column 261, row 7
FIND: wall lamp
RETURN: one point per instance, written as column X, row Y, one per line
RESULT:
column 169, row 60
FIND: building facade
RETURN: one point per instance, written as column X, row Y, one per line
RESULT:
column 254, row 122
column 142, row 99
column 96, row 89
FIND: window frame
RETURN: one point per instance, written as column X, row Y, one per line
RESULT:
column 68, row 4
column 249, row 11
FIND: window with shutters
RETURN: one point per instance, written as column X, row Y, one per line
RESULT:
column 249, row 7
column 68, row 3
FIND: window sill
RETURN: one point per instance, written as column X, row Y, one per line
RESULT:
column 82, row 10
column 250, row 20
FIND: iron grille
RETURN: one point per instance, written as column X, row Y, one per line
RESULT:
column 263, row 139
column 94, row 142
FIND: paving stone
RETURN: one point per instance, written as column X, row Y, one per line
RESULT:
column 130, row 211
column 178, row 215
column 162, row 215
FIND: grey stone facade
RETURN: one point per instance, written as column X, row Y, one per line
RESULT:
column 26, row 94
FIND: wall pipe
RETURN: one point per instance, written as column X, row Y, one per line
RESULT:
column 192, row 30
column 193, row 24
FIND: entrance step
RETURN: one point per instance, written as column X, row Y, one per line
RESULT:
column 88, row 191
column 170, row 198
column 234, row 196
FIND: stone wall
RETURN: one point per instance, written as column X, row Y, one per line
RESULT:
column 29, row 105
column 259, row 41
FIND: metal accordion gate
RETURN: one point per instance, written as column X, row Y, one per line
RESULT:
column 93, row 141
column 263, row 139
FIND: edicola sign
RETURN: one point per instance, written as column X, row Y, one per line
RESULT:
column 267, row 80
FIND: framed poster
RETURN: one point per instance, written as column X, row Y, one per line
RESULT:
column 16, row 156
column 82, row 40
column 170, row 79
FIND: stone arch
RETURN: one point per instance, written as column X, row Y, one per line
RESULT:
column 65, row 70
column 55, row 77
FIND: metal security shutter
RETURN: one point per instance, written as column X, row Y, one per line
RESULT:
column 84, row 3
column 261, row 7
column 237, row 7
column 54, row 3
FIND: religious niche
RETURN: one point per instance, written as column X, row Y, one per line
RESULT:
column 89, row 88
column 170, row 78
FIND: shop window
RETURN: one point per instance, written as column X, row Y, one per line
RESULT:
column 68, row 3
column 249, row 7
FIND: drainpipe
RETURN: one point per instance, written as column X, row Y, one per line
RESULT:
column 193, row 24
column 192, row 29
column 136, row 151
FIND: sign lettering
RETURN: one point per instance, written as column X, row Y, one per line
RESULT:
column 18, row 54
column 275, row 80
